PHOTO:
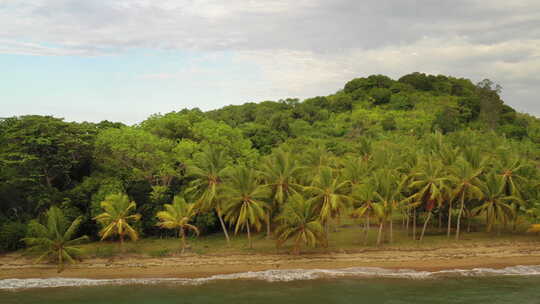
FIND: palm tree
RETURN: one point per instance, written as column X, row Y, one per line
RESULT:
column 300, row 222
column 495, row 204
column 116, row 218
column 466, row 186
column 511, row 169
column 279, row 171
column 209, row 169
column 364, row 194
column 177, row 216
column 244, row 200
column 429, row 185
column 328, row 195
column 54, row 240
column 355, row 170
column 388, row 198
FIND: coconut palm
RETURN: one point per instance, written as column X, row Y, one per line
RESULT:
column 466, row 186
column 244, row 197
column 279, row 171
column 208, row 171
column 429, row 184
column 364, row 196
column 116, row 218
column 54, row 239
column 177, row 216
column 328, row 195
column 300, row 222
column 355, row 170
column 496, row 205
column 509, row 166
column 388, row 198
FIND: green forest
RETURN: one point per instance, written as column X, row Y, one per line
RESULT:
column 423, row 150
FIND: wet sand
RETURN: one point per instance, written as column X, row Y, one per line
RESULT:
column 194, row 266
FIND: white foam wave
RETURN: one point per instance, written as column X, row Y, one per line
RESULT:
column 274, row 276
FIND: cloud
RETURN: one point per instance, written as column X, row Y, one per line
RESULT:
column 302, row 47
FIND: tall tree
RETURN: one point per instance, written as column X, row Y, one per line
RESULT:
column 279, row 172
column 244, row 197
column 208, row 171
column 328, row 195
column 466, row 186
column 429, row 183
column 388, row 198
column 496, row 205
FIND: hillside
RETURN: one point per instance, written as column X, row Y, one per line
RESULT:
column 376, row 141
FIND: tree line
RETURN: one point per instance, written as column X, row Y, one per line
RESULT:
column 422, row 147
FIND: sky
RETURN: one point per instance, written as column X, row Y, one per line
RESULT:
column 123, row 60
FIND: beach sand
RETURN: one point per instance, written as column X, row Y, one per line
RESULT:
column 192, row 266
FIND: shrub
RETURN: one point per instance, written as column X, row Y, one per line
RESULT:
column 11, row 234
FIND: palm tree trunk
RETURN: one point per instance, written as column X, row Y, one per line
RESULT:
column 122, row 242
column 414, row 224
column 60, row 261
column 425, row 225
column 391, row 230
column 379, row 235
column 366, row 232
column 268, row 226
column 183, row 238
column 459, row 215
column 449, row 219
column 249, row 237
column 408, row 220
column 218, row 211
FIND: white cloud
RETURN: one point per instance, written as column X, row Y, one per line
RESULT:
column 302, row 47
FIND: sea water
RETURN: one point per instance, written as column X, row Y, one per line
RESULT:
column 519, row 284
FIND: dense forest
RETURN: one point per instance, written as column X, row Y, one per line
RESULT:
column 423, row 147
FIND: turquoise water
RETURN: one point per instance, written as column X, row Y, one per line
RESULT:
column 459, row 289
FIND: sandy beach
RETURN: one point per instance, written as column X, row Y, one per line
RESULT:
column 192, row 266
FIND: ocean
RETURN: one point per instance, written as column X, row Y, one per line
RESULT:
column 519, row 284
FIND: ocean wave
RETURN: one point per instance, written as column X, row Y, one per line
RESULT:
column 275, row 276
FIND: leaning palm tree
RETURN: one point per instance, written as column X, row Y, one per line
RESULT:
column 328, row 195
column 279, row 171
column 429, row 184
column 208, row 171
column 116, row 218
column 244, row 197
column 54, row 239
column 177, row 216
column 496, row 205
column 466, row 186
column 299, row 221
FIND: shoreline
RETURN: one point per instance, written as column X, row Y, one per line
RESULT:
column 199, row 266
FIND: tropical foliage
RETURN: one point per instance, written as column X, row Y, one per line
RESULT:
column 55, row 239
column 177, row 216
column 116, row 218
column 421, row 150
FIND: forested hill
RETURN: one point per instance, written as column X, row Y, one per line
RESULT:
column 46, row 161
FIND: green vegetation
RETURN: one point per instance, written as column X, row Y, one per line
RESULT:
column 177, row 216
column 54, row 240
column 437, row 154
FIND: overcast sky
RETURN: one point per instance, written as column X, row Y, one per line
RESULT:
column 124, row 60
